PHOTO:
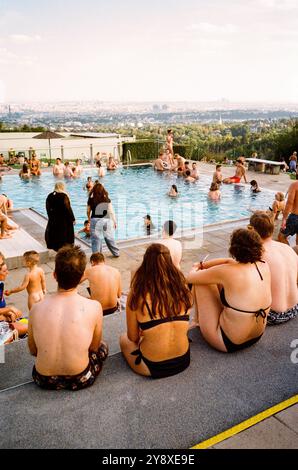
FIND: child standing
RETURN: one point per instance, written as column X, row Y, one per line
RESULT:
column 34, row 280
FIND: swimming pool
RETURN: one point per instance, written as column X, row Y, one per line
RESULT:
column 139, row 190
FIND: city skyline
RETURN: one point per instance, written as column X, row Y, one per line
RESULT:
column 171, row 51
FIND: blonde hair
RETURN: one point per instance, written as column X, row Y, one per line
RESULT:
column 60, row 187
column 280, row 196
column 31, row 257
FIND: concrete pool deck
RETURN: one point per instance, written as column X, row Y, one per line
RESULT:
column 216, row 393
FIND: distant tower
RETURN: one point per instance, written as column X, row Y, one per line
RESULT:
column 220, row 120
column 9, row 110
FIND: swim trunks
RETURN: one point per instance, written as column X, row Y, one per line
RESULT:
column 74, row 382
column 235, row 179
column 291, row 226
column 275, row 318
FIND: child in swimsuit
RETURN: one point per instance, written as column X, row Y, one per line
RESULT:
column 254, row 186
column 34, row 280
column 89, row 184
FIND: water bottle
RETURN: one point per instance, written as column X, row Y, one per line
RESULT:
column 4, row 327
column 5, row 332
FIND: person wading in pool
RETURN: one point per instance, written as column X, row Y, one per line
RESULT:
column 102, row 218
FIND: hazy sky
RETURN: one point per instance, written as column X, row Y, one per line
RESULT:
column 165, row 50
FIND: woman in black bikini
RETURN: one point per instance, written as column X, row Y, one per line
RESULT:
column 233, row 295
column 156, row 343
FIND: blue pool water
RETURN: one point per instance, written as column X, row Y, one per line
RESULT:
column 137, row 191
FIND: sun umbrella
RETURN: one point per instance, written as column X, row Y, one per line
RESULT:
column 48, row 135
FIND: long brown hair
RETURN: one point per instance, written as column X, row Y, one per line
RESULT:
column 159, row 280
column 98, row 194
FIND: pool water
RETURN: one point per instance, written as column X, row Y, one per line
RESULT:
column 139, row 190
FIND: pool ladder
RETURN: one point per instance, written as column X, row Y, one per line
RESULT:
column 128, row 156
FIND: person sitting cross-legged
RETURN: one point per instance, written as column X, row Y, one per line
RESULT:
column 65, row 330
column 283, row 264
column 157, row 315
column 233, row 295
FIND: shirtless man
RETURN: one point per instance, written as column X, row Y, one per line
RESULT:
column 35, row 166
column 173, row 245
column 289, row 225
column 68, row 173
column 34, row 280
column 283, row 264
column 112, row 165
column 195, row 171
column 104, row 283
column 240, row 172
column 65, row 330
column 158, row 164
column 78, row 169
column 189, row 178
column 186, row 167
column 58, row 168
column 217, row 175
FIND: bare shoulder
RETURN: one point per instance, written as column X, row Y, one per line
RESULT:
column 114, row 270
column 90, row 305
column 287, row 249
column 88, row 271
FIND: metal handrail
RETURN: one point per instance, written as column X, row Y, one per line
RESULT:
column 128, row 156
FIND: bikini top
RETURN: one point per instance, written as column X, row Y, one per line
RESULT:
column 151, row 323
column 260, row 312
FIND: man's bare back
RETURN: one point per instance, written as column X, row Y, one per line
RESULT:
column 283, row 264
column 240, row 171
column 175, row 248
column 66, row 326
column 105, row 284
column 292, row 199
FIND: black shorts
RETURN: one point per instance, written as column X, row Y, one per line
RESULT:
column 74, row 382
column 291, row 226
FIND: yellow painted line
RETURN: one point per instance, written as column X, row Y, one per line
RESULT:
column 247, row 423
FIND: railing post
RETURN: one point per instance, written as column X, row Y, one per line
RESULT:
column 62, row 153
